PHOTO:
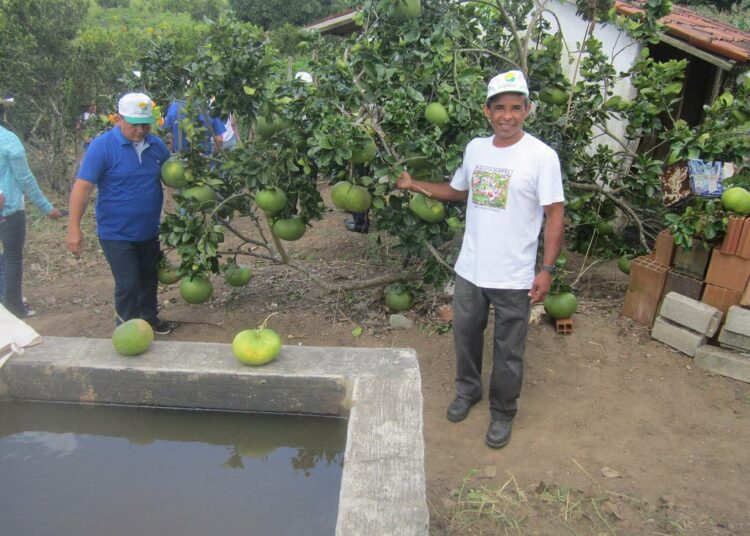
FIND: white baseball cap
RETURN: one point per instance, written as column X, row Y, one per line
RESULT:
column 135, row 108
column 304, row 76
column 508, row 82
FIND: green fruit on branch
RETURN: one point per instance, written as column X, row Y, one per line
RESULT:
column 553, row 95
column 339, row 192
column 289, row 229
column 605, row 228
column 271, row 200
column 237, row 276
column 133, row 337
column 256, row 346
column 364, row 153
column 406, row 9
column 398, row 299
column 436, row 114
column 429, row 210
column 357, row 199
column 173, row 173
column 736, row 199
column 560, row 306
column 351, row 197
column 196, row 290
column 167, row 274
column 623, row 263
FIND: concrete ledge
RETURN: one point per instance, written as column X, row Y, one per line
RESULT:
column 738, row 320
column 678, row 337
column 691, row 314
column 379, row 390
column 725, row 362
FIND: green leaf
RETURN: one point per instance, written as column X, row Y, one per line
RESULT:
column 356, row 332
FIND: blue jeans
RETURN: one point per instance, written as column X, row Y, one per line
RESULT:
column 13, row 235
column 470, row 314
column 133, row 266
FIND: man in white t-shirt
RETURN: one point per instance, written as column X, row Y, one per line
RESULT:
column 511, row 182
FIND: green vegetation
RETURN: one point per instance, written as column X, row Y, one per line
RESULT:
column 363, row 118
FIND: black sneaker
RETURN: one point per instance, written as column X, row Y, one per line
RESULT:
column 162, row 327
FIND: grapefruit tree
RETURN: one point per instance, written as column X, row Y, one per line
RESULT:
column 363, row 121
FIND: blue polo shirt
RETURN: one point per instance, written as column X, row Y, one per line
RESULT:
column 175, row 114
column 129, row 198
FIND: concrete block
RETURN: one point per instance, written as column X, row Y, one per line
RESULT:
column 738, row 320
column 728, row 271
column 678, row 337
column 722, row 361
column 683, row 284
column 692, row 262
column 690, row 313
column 734, row 340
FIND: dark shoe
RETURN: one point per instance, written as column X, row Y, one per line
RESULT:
column 162, row 327
column 498, row 434
column 355, row 227
column 459, row 408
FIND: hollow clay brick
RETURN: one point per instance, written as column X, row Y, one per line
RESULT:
column 664, row 248
column 728, row 271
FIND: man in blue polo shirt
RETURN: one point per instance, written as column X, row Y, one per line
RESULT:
column 124, row 163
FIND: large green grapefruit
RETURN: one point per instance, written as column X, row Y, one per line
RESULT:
column 436, row 114
column 553, row 95
column 133, row 337
column 338, row 193
column 271, row 200
column 173, row 173
column 289, row 229
column 237, row 276
column 399, row 299
column 430, row 210
column 737, row 200
column 623, row 263
column 357, row 199
column 559, row 306
column 365, row 152
column 196, row 290
column 406, row 9
column 167, row 274
column 256, row 346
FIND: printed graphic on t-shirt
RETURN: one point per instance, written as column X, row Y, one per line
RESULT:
column 489, row 186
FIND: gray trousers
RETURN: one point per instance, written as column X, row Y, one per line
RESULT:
column 470, row 314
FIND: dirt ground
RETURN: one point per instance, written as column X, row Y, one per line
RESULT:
column 616, row 433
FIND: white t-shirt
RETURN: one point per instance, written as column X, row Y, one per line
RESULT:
column 508, row 186
column 229, row 133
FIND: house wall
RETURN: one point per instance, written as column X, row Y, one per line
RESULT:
column 621, row 49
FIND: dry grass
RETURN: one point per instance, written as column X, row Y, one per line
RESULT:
column 546, row 510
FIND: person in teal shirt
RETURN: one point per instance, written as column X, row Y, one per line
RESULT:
column 16, row 180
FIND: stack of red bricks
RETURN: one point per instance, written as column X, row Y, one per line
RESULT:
column 719, row 277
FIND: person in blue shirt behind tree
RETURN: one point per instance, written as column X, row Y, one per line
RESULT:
column 16, row 179
column 124, row 164
column 176, row 113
